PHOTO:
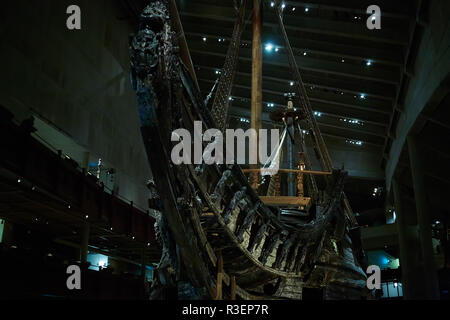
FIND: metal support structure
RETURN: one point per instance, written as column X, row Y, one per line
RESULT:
column 408, row 240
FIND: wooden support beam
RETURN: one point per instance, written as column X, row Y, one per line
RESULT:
column 184, row 49
column 287, row 201
column 219, row 276
column 256, row 111
column 257, row 58
column 233, row 288
column 323, row 173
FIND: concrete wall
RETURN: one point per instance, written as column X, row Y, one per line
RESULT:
column 76, row 80
column 431, row 68
column 358, row 163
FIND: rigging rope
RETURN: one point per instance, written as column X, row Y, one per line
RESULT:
column 325, row 159
column 272, row 164
column 222, row 98
column 311, row 180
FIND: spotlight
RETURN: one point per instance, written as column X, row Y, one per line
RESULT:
column 269, row 47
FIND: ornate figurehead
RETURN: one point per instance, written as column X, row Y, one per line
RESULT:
column 152, row 51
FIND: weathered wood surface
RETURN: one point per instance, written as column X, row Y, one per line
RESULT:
column 214, row 209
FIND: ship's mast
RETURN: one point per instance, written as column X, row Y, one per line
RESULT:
column 256, row 112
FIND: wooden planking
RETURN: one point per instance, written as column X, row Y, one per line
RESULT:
column 286, row 201
column 324, row 173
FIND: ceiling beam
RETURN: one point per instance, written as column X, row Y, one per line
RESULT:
column 305, row 63
column 280, row 95
column 338, row 29
column 279, row 91
column 300, row 43
column 357, row 7
column 281, row 76
column 237, row 100
column 245, row 113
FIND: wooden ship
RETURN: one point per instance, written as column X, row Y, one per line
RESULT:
column 220, row 238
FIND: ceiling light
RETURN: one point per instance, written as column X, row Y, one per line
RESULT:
column 283, row 6
column 292, row 83
column 269, row 47
column 204, row 39
column 306, row 9
column 368, row 63
column 272, row 4
column 293, row 9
